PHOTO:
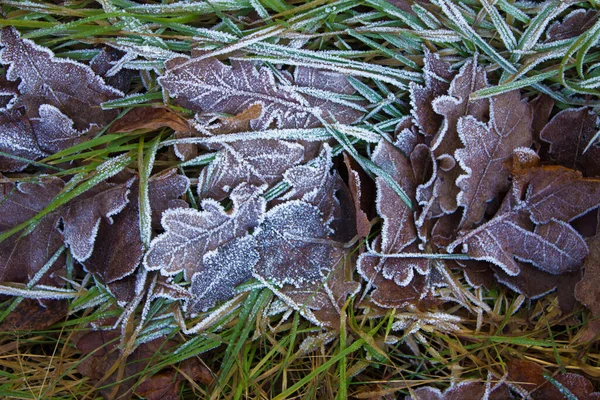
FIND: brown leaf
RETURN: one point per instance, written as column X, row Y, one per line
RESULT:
column 574, row 24
column 464, row 390
column 208, row 85
column 119, row 249
column 44, row 82
column 151, row 118
column 530, row 376
column 82, row 215
column 101, row 353
column 31, row 315
column 256, row 162
column 363, row 225
column 22, row 257
column 554, row 192
column 437, row 75
column 568, row 133
column 586, row 290
column 321, row 302
column 190, row 235
column 17, row 138
column 542, row 106
column 554, row 247
column 487, row 147
column 452, row 107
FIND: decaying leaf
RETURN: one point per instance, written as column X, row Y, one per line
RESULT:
column 208, row 85
column 256, row 162
column 43, row 81
column 464, row 390
column 487, row 147
column 119, row 248
column 529, row 376
column 574, row 24
column 17, row 138
column 102, row 356
column 82, row 215
column 363, row 225
column 293, row 244
column 568, row 134
column 222, row 270
column 191, row 234
column 22, row 256
column 437, row 75
column 31, row 315
column 150, row 118
column 586, row 290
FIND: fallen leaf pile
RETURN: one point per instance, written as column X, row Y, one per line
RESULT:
column 495, row 190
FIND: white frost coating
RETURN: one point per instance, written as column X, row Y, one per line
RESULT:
column 290, row 244
column 259, row 162
column 38, row 292
column 224, row 268
column 416, row 321
column 207, row 85
column 190, row 234
column 215, row 316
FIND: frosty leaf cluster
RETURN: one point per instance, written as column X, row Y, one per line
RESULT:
column 261, row 175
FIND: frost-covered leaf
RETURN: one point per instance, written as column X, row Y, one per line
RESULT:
column 586, row 290
column 464, row 390
column 398, row 230
column 568, row 134
column 554, row 247
column 17, row 138
column 46, row 79
column 554, row 192
column 452, row 107
column 437, row 75
column 487, row 147
column 208, row 85
column 119, row 249
column 256, row 162
column 293, row 244
column 22, row 257
column 574, row 24
column 82, row 215
column 191, row 234
column 222, row 270
column 321, row 302
column 316, row 184
column 55, row 131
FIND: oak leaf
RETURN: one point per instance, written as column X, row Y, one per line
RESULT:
column 191, row 234
column 208, row 85
column 586, row 290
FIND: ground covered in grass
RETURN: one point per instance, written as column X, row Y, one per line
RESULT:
column 319, row 200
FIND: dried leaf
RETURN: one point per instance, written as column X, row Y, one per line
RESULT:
column 464, row 390
column 17, row 138
column 31, row 315
column 222, row 270
column 151, row 118
column 530, row 376
column 256, row 162
column 363, row 225
column 487, row 147
column 21, row 257
column 82, row 215
column 208, row 85
column 101, row 354
column 293, row 244
column 119, row 248
column 568, row 133
column 437, row 75
column 191, row 234
column 586, row 290
column 574, row 24
column 553, row 192
column 554, row 247
column 46, row 79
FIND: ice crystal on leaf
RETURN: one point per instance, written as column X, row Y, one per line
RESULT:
column 208, row 85
column 22, row 257
column 256, row 162
column 191, row 234
column 293, row 244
